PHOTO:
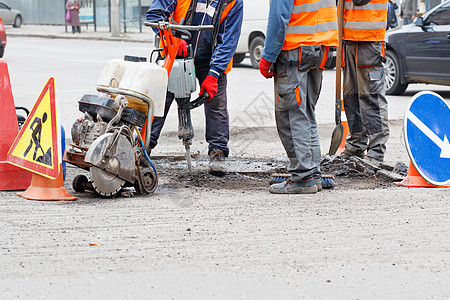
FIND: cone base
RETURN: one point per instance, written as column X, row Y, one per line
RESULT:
column 46, row 189
column 47, row 194
column 417, row 181
column 414, row 179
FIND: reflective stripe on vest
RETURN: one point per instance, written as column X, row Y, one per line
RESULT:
column 201, row 8
column 312, row 23
column 365, row 23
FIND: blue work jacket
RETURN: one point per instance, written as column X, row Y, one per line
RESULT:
column 229, row 32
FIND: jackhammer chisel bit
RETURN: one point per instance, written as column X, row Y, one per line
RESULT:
column 188, row 155
column 185, row 128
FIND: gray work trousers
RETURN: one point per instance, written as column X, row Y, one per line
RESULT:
column 297, row 95
column 365, row 102
column 217, row 132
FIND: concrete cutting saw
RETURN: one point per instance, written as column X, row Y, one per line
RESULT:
column 112, row 139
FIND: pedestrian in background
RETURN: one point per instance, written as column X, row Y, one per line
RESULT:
column 73, row 10
column 364, row 89
column 298, row 38
column 391, row 16
column 408, row 11
column 213, row 58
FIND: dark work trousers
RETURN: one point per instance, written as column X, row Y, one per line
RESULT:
column 217, row 132
column 297, row 95
column 365, row 102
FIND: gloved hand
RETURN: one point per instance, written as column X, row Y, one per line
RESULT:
column 264, row 68
column 210, row 86
column 182, row 49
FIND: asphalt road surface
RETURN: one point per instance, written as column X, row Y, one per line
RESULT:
column 210, row 239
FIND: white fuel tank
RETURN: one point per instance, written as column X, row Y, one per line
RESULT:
column 147, row 79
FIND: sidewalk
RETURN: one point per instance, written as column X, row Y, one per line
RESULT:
column 59, row 32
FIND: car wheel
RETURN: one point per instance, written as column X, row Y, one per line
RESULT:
column 238, row 58
column 393, row 75
column 2, row 50
column 256, row 49
column 17, row 22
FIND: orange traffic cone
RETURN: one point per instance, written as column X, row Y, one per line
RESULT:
column 414, row 179
column 46, row 189
column 11, row 177
column 344, row 123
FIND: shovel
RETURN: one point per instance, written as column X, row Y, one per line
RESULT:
column 338, row 132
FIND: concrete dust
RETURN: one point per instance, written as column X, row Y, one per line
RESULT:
column 204, row 179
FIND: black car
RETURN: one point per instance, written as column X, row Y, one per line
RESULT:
column 419, row 52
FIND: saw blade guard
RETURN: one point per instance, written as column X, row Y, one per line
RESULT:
column 113, row 153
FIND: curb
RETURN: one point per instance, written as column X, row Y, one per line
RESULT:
column 92, row 38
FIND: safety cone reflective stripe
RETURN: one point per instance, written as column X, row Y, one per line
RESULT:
column 414, row 179
column 46, row 189
column 344, row 123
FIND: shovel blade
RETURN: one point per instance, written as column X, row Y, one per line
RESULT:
column 336, row 139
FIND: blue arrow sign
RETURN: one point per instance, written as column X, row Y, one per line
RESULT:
column 427, row 133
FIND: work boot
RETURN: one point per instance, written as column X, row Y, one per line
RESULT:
column 306, row 186
column 217, row 161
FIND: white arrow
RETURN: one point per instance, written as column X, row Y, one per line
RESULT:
column 444, row 145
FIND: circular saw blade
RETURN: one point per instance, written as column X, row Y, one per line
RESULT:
column 104, row 183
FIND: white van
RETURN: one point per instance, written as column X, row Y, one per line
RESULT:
column 253, row 31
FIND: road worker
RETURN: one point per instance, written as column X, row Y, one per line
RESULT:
column 213, row 53
column 299, row 34
column 364, row 89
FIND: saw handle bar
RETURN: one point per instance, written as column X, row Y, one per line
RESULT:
column 170, row 42
column 167, row 25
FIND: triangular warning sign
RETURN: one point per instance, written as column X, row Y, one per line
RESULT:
column 36, row 147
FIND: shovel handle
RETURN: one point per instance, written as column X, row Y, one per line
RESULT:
column 339, row 61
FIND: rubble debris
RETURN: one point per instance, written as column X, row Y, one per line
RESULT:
column 389, row 176
column 401, row 168
column 251, row 173
column 357, row 167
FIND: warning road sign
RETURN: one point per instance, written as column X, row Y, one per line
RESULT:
column 36, row 146
column 427, row 133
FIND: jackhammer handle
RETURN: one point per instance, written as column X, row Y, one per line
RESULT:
column 199, row 101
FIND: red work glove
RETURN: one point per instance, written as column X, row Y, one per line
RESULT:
column 182, row 49
column 210, row 86
column 264, row 68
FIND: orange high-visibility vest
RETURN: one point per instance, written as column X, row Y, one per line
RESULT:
column 182, row 9
column 313, row 22
column 365, row 23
